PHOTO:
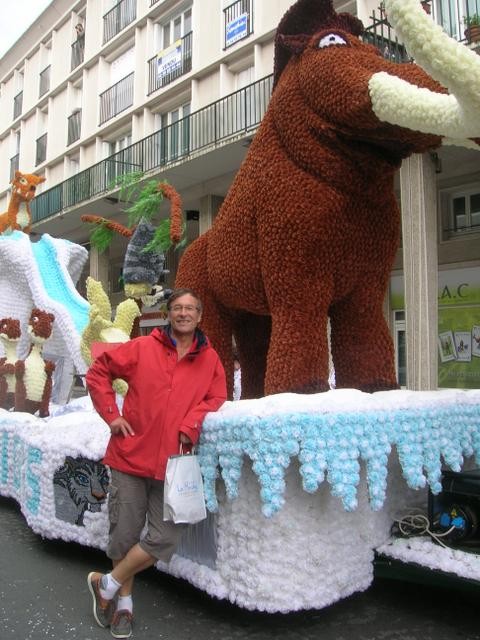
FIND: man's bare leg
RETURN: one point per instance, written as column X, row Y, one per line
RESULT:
column 125, row 570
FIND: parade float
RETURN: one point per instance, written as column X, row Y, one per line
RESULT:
column 302, row 482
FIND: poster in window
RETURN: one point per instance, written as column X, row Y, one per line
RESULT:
column 476, row 341
column 446, row 345
column 463, row 345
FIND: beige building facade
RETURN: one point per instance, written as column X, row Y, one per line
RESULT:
column 96, row 89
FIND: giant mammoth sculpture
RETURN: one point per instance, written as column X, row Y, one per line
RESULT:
column 310, row 226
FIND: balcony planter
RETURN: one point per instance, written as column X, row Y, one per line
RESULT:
column 472, row 32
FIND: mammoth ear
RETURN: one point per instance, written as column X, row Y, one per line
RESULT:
column 40, row 179
column 51, row 317
column 295, row 44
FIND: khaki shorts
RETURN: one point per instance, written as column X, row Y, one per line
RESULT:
column 133, row 503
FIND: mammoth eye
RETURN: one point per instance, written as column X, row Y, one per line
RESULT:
column 23, row 181
column 35, row 319
column 331, row 39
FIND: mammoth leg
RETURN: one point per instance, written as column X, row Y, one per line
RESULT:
column 217, row 325
column 362, row 348
column 216, row 321
column 298, row 355
column 252, row 336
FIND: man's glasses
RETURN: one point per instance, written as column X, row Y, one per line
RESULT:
column 188, row 308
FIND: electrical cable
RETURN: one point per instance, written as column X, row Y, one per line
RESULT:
column 416, row 523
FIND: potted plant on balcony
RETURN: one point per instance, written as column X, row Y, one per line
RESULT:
column 472, row 32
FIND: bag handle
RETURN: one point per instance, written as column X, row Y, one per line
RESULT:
column 187, row 453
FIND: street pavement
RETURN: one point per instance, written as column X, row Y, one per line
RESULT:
column 43, row 596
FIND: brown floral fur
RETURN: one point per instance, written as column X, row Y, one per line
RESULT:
column 310, row 227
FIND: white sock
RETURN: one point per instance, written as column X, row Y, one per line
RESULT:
column 125, row 603
column 108, row 586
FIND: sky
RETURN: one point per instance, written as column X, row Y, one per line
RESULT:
column 15, row 18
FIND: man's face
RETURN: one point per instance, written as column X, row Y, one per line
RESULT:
column 184, row 315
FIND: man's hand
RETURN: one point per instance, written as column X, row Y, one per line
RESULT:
column 121, row 426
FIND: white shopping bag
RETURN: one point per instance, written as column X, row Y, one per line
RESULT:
column 183, row 498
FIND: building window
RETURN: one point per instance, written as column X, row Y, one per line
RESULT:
column 41, row 152
column 117, row 98
column 44, row 85
column 174, row 41
column 175, row 28
column 453, row 15
column 14, row 165
column 15, row 159
column 119, row 16
column 74, row 126
column 238, row 22
column 17, row 104
column 174, row 138
column 120, row 159
column 465, row 211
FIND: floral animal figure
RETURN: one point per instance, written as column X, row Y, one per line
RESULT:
column 9, row 336
column 144, row 258
column 18, row 214
column 101, row 327
column 310, row 227
column 33, row 386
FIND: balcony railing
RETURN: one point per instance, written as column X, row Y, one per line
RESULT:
column 74, row 126
column 17, row 104
column 170, row 64
column 14, row 165
column 44, row 85
column 78, row 52
column 236, row 114
column 380, row 34
column 238, row 22
column 152, row 2
column 116, row 99
column 122, row 14
column 41, row 154
column 454, row 16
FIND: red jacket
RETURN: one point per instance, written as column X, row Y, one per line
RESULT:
column 165, row 397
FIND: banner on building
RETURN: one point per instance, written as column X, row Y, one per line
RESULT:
column 458, row 325
column 170, row 59
column 236, row 29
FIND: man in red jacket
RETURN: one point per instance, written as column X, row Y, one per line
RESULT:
column 174, row 378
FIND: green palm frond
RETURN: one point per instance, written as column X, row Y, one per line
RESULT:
column 147, row 204
column 161, row 241
column 129, row 183
column 101, row 237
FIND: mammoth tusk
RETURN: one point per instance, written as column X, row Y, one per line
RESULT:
column 449, row 62
column 398, row 102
